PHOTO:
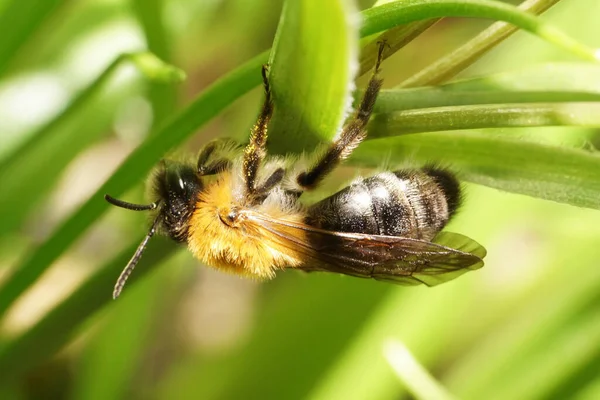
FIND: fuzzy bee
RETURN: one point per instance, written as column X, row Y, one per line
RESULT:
column 243, row 214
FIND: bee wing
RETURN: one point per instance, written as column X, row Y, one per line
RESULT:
column 399, row 260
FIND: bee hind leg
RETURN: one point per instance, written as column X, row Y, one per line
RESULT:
column 351, row 135
column 255, row 151
column 262, row 191
column 273, row 180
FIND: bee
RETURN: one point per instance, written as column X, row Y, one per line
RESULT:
column 242, row 213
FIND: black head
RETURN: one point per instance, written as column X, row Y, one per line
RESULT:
column 176, row 188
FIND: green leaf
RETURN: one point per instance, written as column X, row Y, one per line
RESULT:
column 395, row 39
column 556, row 358
column 313, row 65
column 392, row 14
column 109, row 374
column 20, row 21
column 59, row 325
column 116, row 351
column 558, row 82
column 563, row 76
column 45, row 154
column 506, row 163
column 348, row 378
column 53, row 40
column 448, row 66
column 590, row 392
column 549, row 337
column 392, row 100
column 150, row 14
column 485, row 116
column 155, row 69
column 322, row 311
column 412, row 374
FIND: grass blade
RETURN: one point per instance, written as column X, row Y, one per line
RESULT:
column 280, row 336
column 558, row 82
column 412, row 374
column 447, row 67
column 51, row 148
column 395, row 39
column 150, row 15
column 392, row 14
column 485, row 116
column 395, row 100
column 118, row 347
column 524, row 351
column 58, row 326
column 349, row 378
column 22, row 21
column 105, row 374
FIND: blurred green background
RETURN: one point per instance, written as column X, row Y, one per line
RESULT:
column 526, row 326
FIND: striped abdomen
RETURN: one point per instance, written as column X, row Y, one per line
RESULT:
column 408, row 203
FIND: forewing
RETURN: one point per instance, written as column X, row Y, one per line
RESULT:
column 394, row 259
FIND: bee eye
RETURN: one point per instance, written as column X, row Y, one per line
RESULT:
column 181, row 181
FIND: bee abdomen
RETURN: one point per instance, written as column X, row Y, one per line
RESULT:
column 408, row 203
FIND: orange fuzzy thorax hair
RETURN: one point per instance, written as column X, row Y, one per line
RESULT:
column 241, row 246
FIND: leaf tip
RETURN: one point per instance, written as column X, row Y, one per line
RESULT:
column 156, row 69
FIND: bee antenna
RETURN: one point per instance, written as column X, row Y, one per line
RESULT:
column 130, row 206
column 134, row 260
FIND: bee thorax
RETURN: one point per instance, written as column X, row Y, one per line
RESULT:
column 222, row 235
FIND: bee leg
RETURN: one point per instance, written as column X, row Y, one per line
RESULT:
column 272, row 181
column 209, row 165
column 352, row 133
column 215, row 167
column 265, row 188
column 255, row 151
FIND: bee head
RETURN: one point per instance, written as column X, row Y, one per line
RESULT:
column 176, row 188
column 177, row 185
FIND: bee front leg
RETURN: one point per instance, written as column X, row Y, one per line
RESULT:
column 213, row 157
column 350, row 137
column 255, row 151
